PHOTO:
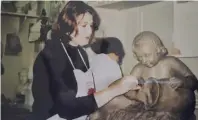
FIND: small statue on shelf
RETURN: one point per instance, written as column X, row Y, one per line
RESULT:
column 33, row 5
column 19, row 5
column 24, row 92
column 23, row 80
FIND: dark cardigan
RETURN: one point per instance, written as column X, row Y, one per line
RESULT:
column 54, row 85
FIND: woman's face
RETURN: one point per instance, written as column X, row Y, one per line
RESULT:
column 84, row 27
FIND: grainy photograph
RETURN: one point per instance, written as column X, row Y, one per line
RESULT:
column 99, row 60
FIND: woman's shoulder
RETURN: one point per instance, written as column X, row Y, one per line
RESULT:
column 52, row 47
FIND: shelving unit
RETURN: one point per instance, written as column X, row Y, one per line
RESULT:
column 22, row 17
column 18, row 14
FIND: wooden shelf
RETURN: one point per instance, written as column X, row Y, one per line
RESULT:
column 18, row 14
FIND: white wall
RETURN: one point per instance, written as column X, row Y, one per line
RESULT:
column 186, row 28
column 113, row 24
column 132, row 28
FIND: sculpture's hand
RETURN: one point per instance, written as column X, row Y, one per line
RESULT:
column 175, row 82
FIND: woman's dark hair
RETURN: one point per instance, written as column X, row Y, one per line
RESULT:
column 66, row 22
column 109, row 45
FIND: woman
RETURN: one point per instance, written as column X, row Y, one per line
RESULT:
column 63, row 64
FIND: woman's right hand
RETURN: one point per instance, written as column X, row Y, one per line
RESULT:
column 128, row 83
column 118, row 88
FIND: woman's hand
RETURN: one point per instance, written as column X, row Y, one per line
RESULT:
column 115, row 89
column 127, row 83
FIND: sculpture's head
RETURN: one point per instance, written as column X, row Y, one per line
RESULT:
column 148, row 48
column 23, row 76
